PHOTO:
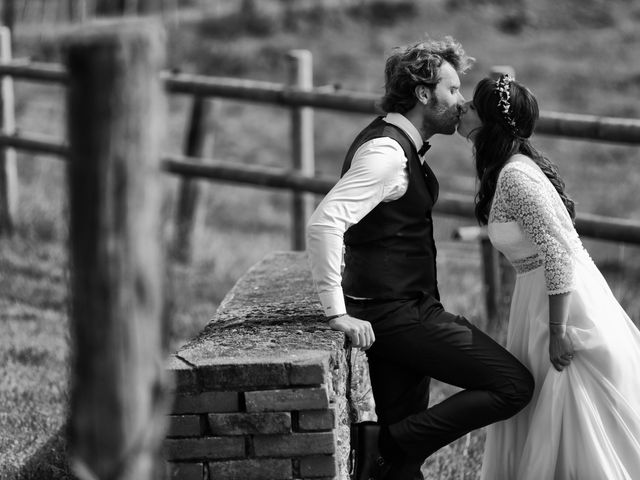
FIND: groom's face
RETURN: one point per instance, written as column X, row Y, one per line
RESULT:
column 444, row 106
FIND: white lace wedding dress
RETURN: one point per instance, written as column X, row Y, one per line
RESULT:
column 583, row 423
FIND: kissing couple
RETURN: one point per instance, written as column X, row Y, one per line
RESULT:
column 562, row 400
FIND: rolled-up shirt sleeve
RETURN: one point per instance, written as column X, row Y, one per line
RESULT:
column 377, row 174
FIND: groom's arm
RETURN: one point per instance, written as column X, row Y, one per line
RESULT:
column 376, row 175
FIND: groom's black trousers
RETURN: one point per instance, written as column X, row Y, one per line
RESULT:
column 416, row 340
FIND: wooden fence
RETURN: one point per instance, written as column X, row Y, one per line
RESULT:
column 301, row 98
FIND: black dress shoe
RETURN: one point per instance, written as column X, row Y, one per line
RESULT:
column 365, row 453
column 367, row 438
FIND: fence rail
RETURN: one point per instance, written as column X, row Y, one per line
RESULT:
column 570, row 125
column 588, row 225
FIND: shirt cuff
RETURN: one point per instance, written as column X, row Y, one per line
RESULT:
column 332, row 302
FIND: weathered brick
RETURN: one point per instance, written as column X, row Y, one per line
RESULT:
column 309, row 420
column 185, row 426
column 289, row 399
column 249, row 423
column 204, row 448
column 185, row 471
column 184, row 375
column 243, row 375
column 254, row 469
column 318, row 466
column 309, row 370
column 295, row 444
column 238, row 372
column 207, row 402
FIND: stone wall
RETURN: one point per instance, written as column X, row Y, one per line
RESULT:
column 261, row 392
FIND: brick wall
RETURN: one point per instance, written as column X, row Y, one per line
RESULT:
column 260, row 394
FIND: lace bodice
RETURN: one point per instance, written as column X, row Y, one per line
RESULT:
column 530, row 225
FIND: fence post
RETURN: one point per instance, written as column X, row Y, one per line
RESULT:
column 301, row 76
column 188, row 194
column 116, row 116
column 77, row 10
column 491, row 270
column 8, row 168
column 9, row 14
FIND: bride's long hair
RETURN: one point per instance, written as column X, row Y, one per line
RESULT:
column 498, row 139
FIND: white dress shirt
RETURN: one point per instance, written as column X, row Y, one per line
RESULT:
column 378, row 173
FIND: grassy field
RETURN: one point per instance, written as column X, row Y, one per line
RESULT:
column 577, row 56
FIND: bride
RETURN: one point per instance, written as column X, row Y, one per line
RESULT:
column 565, row 325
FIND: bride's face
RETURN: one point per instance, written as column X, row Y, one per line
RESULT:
column 469, row 121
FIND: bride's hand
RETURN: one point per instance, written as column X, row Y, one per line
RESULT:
column 560, row 347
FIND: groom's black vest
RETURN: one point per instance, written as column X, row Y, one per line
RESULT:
column 390, row 253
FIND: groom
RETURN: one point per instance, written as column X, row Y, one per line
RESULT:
column 387, row 300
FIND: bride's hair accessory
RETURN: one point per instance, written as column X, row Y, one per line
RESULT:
column 503, row 87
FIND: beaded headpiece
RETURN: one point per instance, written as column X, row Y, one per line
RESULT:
column 503, row 87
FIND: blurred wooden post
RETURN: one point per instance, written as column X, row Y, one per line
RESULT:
column 289, row 14
column 248, row 9
column 9, row 14
column 116, row 116
column 301, row 76
column 491, row 275
column 491, row 271
column 110, row 7
column 8, row 168
column 77, row 10
column 188, row 195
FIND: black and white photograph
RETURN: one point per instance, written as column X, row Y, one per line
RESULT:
column 319, row 240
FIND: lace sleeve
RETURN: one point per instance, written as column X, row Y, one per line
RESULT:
column 530, row 203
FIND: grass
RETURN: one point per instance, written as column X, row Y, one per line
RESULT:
column 34, row 349
column 583, row 60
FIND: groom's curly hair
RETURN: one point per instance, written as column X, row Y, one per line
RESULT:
column 419, row 64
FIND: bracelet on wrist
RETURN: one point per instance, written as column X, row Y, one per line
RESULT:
column 335, row 316
column 558, row 328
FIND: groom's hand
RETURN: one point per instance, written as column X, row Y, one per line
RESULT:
column 359, row 331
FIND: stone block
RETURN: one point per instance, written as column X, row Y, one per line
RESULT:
column 249, row 423
column 185, row 426
column 256, row 369
column 206, row 448
column 206, row 402
column 185, row 471
column 308, row 372
column 289, row 399
column 251, row 469
column 295, row 445
column 309, row 420
column 318, row 466
column 184, row 377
